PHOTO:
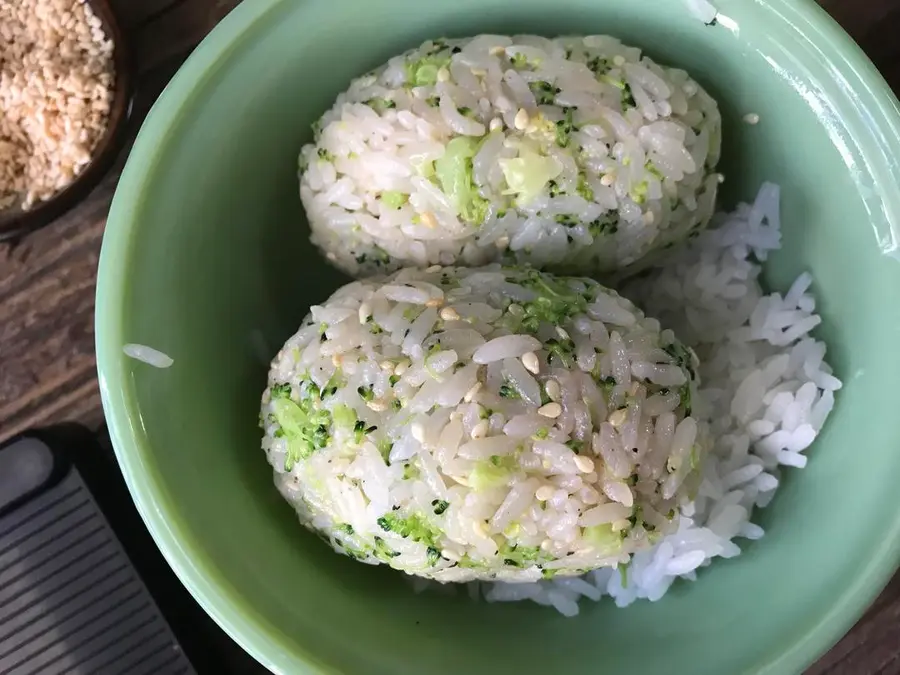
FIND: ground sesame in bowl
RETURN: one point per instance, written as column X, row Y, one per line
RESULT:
column 57, row 78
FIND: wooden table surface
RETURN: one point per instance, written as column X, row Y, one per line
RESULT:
column 47, row 366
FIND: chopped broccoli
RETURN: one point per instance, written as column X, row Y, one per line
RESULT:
column 564, row 128
column 492, row 473
column 509, row 391
column 410, row 471
column 544, row 92
column 366, row 393
column 304, row 427
column 566, row 220
column 424, row 72
column 555, row 302
column 384, row 448
column 575, row 446
column 280, row 391
column 454, row 171
column 603, row 225
column 554, row 188
column 516, row 555
column 527, row 174
column 602, row 538
column 653, row 171
column 440, row 506
column 627, row 98
column 414, row 527
column 433, row 555
column 384, row 552
column 393, row 199
column 344, row 416
column 584, row 190
column 564, row 350
column 639, row 192
column 379, row 105
column 346, row 528
column 325, row 155
column 541, row 433
column 598, row 65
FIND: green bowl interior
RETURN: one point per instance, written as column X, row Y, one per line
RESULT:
column 206, row 258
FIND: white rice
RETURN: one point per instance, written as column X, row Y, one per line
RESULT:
column 489, row 423
column 148, row 355
column 766, row 394
column 575, row 154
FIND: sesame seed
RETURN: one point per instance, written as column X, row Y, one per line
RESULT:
column 481, row 429
column 521, row 120
column 553, row 390
column 751, row 118
column 401, row 367
column 544, row 493
column 449, row 314
column 336, row 360
column 387, row 366
column 365, row 311
column 584, row 464
column 618, row 417
column 470, row 395
column 434, row 302
column 443, row 74
column 377, row 405
column 57, row 83
column 551, row 410
column 496, row 124
column 497, row 51
column 607, row 179
column 428, row 219
column 417, row 431
column 531, row 363
column 502, row 243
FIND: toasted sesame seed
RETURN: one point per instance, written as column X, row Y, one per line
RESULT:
column 521, row 120
column 428, row 219
column 337, row 360
column 434, row 302
column 544, row 493
column 584, row 464
column 481, row 429
column 551, row 410
column 470, row 395
column 449, row 314
column 57, row 83
column 607, row 179
column 443, row 74
column 531, row 363
column 553, row 390
column 617, row 418
column 401, row 368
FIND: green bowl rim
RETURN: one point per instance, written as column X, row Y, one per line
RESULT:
column 235, row 616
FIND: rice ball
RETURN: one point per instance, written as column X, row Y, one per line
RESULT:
column 493, row 423
column 575, row 154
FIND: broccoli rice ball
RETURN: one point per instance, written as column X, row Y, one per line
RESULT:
column 577, row 154
column 463, row 424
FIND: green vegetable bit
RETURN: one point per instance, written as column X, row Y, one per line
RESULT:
column 508, row 391
column 564, row 129
column 305, row 427
column 424, row 72
column 516, row 555
column 584, row 190
column 440, row 506
column 544, row 92
column 454, row 171
column 414, row 527
column 492, row 473
column 393, row 200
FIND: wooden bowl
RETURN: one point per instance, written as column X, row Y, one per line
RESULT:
column 15, row 222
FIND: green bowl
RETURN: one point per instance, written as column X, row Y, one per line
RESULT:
column 206, row 258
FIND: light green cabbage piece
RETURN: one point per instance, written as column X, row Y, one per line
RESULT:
column 528, row 174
